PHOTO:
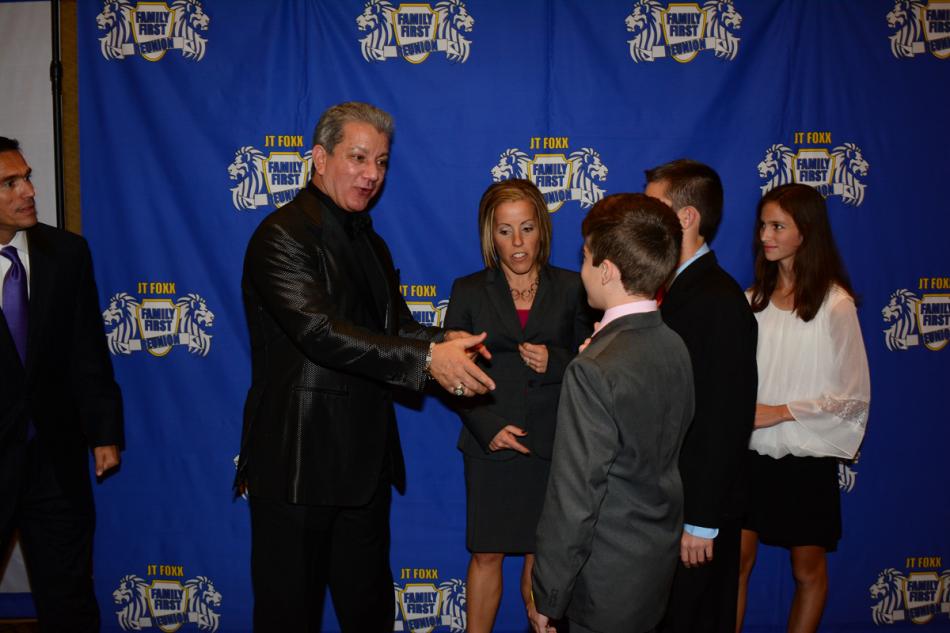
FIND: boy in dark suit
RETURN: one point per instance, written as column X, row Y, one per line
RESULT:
column 708, row 309
column 608, row 537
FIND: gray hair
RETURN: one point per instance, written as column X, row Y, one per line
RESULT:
column 329, row 130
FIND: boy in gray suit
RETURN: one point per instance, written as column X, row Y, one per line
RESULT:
column 608, row 538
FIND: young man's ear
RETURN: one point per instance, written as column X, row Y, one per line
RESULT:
column 608, row 272
column 688, row 216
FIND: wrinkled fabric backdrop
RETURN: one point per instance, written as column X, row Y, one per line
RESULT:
column 196, row 121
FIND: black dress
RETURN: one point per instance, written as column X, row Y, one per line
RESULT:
column 505, row 489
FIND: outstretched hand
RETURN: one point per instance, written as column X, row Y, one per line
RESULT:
column 478, row 350
column 453, row 368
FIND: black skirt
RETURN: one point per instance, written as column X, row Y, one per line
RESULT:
column 503, row 503
column 794, row 501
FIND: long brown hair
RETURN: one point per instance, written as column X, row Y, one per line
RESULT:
column 817, row 265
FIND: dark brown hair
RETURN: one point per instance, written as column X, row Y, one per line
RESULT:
column 639, row 234
column 9, row 144
column 817, row 265
column 692, row 184
column 512, row 191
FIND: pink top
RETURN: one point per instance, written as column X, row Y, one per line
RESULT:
column 523, row 316
column 634, row 307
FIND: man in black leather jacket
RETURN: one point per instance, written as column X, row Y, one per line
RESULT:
column 331, row 337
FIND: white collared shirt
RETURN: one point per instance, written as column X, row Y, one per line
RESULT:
column 19, row 243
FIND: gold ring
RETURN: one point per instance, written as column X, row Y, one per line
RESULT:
column 459, row 390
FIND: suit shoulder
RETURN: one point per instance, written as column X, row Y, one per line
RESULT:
column 289, row 220
column 54, row 234
column 563, row 275
column 636, row 349
column 58, row 240
column 477, row 278
column 726, row 282
column 715, row 290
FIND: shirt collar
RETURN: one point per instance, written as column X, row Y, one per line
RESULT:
column 18, row 242
column 337, row 212
column 625, row 309
column 699, row 253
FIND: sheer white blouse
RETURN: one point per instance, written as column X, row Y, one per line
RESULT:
column 820, row 370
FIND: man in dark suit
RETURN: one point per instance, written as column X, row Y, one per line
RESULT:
column 58, row 399
column 609, row 532
column 707, row 308
column 330, row 337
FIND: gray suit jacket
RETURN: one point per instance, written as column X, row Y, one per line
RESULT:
column 609, row 533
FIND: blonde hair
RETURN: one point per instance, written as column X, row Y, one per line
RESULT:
column 512, row 191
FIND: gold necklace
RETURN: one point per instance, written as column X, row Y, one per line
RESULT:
column 527, row 293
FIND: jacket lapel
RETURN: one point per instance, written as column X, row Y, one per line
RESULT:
column 42, row 261
column 499, row 294
column 7, row 347
column 381, row 293
column 541, row 310
column 684, row 283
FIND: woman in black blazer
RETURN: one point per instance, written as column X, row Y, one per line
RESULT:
column 536, row 315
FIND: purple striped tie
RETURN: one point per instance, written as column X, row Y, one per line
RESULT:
column 16, row 308
column 16, row 305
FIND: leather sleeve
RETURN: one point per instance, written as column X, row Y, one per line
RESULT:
column 290, row 276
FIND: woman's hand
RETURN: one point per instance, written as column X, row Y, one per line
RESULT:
column 767, row 415
column 508, row 438
column 583, row 346
column 534, row 356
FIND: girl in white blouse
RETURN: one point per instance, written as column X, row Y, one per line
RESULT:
column 814, row 391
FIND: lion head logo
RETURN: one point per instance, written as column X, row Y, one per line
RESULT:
column 453, row 604
column 513, row 163
column 847, row 476
column 202, row 598
column 587, row 170
column 644, row 22
column 115, row 20
column 901, row 313
column 132, row 598
column 944, row 597
column 888, row 590
column 905, row 19
column 849, row 164
column 195, row 319
column 191, row 23
column 777, row 167
column 247, row 169
column 376, row 19
column 454, row 19
column 722, row 22
column 121, row 322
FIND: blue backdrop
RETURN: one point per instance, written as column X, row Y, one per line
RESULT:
column 196, row 119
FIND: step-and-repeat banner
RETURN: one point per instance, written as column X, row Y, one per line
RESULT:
column 196, row 119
